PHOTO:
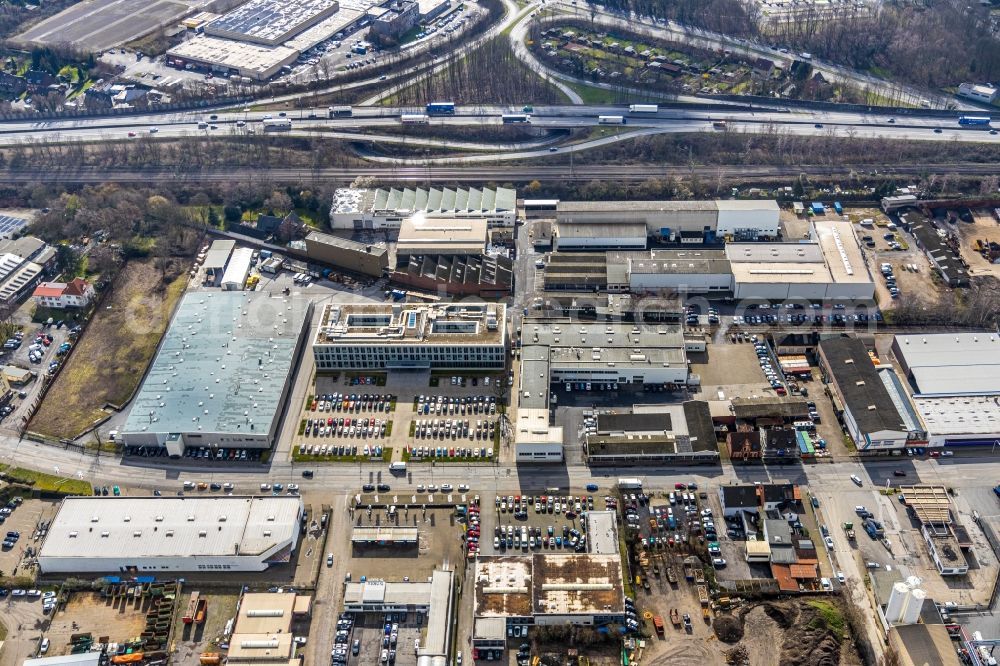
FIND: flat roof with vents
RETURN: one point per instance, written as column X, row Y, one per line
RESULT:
column 87, row 531
column 221, row 368
column 951, row 363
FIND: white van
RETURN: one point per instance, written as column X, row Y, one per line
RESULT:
column 856, row 479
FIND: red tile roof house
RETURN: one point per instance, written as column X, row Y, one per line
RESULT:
column 76, row 293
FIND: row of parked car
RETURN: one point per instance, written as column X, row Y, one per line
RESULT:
column 764, row 357
column 8, row 509
column 353, row 402
column 345, row 624
column 421, row 452
column 890, row 280
column 455, row 406
column 454, row 428
column 364, row 427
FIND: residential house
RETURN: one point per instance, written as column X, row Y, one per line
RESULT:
column 77, row 293
column 738, row 500
column 38, row 79
column 744, row 446
column 12, row 85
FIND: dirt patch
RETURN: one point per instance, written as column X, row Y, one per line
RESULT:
column 120, row 619
column 111, row 356
column 810, row 632
column 984, row 228
column 728, row 628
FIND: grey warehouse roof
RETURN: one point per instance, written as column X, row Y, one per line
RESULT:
column 952, row 363
column 222, row 365
column 701, row 262
column 116, row 527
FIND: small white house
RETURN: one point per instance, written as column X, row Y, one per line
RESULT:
column 77, row 293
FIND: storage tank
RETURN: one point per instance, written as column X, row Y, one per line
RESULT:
column 912, row 611
column 898, row 598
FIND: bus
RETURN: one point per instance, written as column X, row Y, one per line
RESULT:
column 515, row 118
column 414, row 119
column 340, row 111
column 441, row 108
column 981, row 121
column 610, row 120
column 275, row 124
column 644, row 108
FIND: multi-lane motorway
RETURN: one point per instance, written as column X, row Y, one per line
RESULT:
column 370, row 124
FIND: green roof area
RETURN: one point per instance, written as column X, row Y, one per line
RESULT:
column 465, row 200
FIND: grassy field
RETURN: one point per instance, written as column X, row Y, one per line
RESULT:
column 112, row 354
column 49, row 483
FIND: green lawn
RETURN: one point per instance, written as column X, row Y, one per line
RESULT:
column 50, row 483
column 592, row 95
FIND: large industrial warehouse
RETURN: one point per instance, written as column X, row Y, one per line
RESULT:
column 221, row 376
column 872, row 402
column 139, row 535
column 670, row 221
column 356, row 209
column 564, row 352
column 830, row 267
column 956, row 382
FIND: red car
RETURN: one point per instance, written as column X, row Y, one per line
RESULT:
column 680, row 486
column 935, row 454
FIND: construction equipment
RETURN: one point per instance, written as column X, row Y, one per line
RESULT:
column 675, row 617
column 199, row 616
column 658, row 625
column 671, row 575
column 703, row 594
column 192, row 608
column 210, row 659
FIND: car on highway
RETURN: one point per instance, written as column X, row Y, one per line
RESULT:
column 153, row 130
column 553, row 149
column 818, row 125
column 131, row 134
column 937, row 130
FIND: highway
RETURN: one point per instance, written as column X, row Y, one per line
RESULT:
column 366, row 123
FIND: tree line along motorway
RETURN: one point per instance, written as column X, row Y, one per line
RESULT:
column 637, row 172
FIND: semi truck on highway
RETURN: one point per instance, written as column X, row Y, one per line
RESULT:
column 276, row 124
column 441, row 108
column 975, row 121
column 414, row 119
column 610, row 120
column 644, row 108
column 340, row 111
column 510, row 118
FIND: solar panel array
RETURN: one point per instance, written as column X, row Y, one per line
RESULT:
column 11, row 225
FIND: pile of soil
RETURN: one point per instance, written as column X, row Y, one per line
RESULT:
column 728, row 628
column 803, row 632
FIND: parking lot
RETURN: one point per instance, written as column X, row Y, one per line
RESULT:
column 399, row 643
column 552, row 526
column 345, row 425
column 41, row 349
column 25, row 519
